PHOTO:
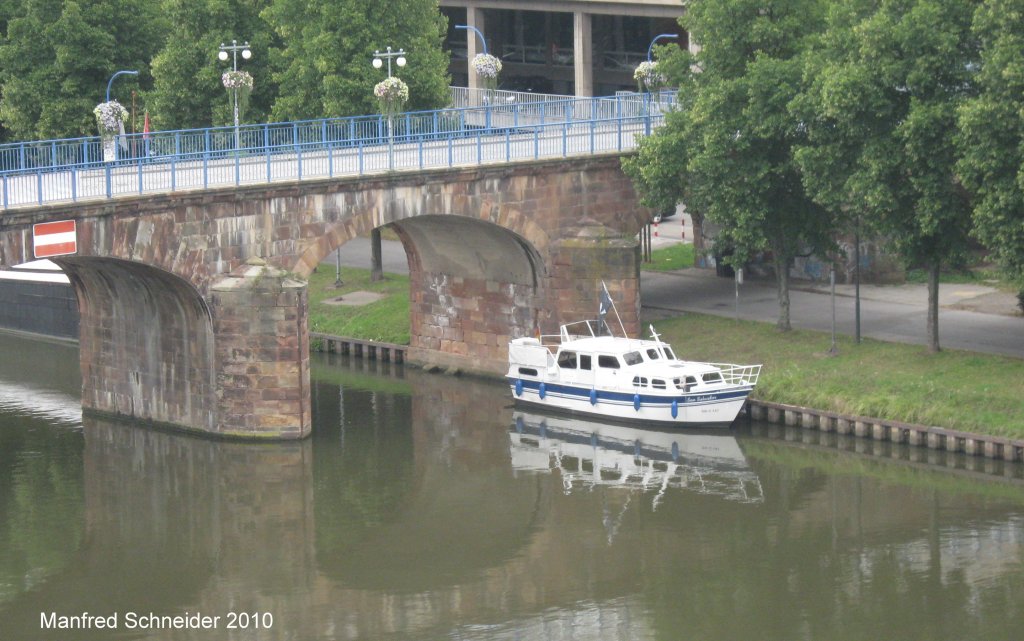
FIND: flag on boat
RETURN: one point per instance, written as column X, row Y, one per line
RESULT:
column 145, row 126
column 602, row 310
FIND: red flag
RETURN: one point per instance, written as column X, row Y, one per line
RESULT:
column 145, row 127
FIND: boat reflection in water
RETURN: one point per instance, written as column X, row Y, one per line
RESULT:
column 589, row 453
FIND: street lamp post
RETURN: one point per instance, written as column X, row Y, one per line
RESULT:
column 235, row 48
column 661, row 36
column 126, row 72
column 378, row 62
column 376, row 260
column 110, row 145
column 483, row 43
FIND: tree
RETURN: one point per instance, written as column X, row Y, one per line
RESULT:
column 734, row 133
column 327, row 46
column 58, row 57
column 991, row 138
column 187, row 90
column 883, row 87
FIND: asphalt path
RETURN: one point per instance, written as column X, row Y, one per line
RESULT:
column 888, row 313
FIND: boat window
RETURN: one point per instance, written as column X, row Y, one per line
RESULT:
column 527, row 371
column 585, row 361
column 632, row 358
column 639, row 381
column 669, row 353
column 712, row 377
column 567, row 360
column 678, row 382
column 653, row 354
column 691, row 381
column 609, row 361
column 657, row 383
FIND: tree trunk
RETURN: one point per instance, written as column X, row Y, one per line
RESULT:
column 697, row 220
column 376, row 263
column 933, row 306
column 782, row 279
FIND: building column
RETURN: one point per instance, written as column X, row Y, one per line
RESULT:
column 583, row 54
column 474, row 18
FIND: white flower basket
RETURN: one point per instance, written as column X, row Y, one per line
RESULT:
column 391, row 94
column 487, row 68
column 110, row 118
column 648, row 77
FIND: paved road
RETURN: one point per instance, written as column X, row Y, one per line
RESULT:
column 889, row 313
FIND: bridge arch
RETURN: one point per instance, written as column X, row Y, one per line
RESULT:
column 146, row 342
column 477, row 268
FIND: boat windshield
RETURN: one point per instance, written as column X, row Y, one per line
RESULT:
column 654, row 353
column 632, row 358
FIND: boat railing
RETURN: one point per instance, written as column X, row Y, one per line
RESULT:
column 733, row 374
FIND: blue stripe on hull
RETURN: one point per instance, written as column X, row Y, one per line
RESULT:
column 623, row 398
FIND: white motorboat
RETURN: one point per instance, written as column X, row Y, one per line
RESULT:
column 587, row 370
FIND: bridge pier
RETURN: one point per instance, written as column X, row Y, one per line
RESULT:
column 260, row 325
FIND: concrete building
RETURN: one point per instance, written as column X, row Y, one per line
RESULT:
column 572, row 47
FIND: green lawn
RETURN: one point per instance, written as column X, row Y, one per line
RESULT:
column 386, row 320
column 952, row 389
column 666, row 259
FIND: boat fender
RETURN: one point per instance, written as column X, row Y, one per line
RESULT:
column 543, row 390
column 675, row 408
column 519, row 387
column 593, row 439
column 593, row 397
column 636, row 402
column 520, row 424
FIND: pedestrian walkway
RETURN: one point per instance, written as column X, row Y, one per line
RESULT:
column 890, row 313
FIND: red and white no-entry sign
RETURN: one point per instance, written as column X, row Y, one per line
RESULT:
column 54, row 239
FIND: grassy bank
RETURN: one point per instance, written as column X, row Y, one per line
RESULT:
column 957, row 390
column 385, row 320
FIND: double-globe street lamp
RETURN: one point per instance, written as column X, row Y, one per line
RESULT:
column 379, row 58
column 378, row 62
column 235, row 48
column 376, row 260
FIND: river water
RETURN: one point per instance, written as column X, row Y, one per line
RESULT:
column 427, row 508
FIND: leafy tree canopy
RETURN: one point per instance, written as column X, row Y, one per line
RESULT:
column 991, row 138
column 884, row 83
column 187, row 90
column 324, row 64
column 727, row 150
column 59, row 55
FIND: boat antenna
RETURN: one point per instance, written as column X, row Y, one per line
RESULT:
column 606, row 302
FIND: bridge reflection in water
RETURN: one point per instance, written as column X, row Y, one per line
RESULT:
column 424, row 507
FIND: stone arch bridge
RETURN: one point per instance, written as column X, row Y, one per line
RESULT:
column 194, row 307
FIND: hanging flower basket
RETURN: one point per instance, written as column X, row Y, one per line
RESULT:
column 487, row 68
column 648, row 77
column 391, row 94
column 239, row 85
column 237, row 80
column 110, row 116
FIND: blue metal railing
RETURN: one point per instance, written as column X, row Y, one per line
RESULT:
column 486, row 127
